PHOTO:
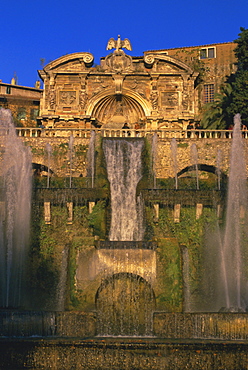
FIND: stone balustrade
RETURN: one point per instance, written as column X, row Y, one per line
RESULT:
column 162, row 133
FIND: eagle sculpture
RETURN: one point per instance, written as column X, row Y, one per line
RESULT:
column 118, row 44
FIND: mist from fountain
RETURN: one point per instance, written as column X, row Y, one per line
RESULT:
column 174, row 160
column 16, row 171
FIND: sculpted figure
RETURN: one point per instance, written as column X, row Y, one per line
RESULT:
column 118, row 44
column 154, row 100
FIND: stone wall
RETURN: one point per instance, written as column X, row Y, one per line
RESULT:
column 207, row 149
column 207, row 154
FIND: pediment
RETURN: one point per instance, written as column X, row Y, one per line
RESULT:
column 167, row 64
column 167, row 67
column 75, row 66
column 71, row 62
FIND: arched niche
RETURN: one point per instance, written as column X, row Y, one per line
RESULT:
column 125, row 303
column 112, row 110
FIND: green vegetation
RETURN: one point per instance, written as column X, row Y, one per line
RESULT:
column 49, row 242
column 189, row 232
column 97, row 219
column 233, row 96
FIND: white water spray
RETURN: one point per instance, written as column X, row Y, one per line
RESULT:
column 91, row 158
column 232, row 246
column 71, row 146
column 49, row 153
column 194, row 158
column 16, row 173
column 174, row 160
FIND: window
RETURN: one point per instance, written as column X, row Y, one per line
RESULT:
column 21, row 113
column 8, row 90
column 208, row 93
column 207, row 53
column 34, row 113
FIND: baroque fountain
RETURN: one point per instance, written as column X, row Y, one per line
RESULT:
column 124, row 246
column 142, row 299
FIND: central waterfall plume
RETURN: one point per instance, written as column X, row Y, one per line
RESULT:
column 124, row 168
column 14, row 213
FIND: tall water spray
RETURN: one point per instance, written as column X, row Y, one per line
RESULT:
column 124, row 168
column 49, row 153
column 174, row 160
column 91, row 158
column 71, row 146
column 218, row 166
column 232, row 247
column 15, row 205
column 194, row 158
column 225, row 285
column 154, row 155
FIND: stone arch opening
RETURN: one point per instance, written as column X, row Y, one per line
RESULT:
column 211, row 169
column 125, row 303
column 41, row 170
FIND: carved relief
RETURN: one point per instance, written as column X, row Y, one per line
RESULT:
column 169, row 99
column 154, row 99
column 67, row 97
column 52, row 98
column 83, row 98
column 118, row 62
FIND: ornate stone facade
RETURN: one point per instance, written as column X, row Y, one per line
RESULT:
column 153, row 91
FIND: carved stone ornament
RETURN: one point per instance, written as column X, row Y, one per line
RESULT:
column 67, row 97
column 87, row 58
column 83, row 98
column 154, row 99
column 52, row 98
column 149, row 59
column 119, row 44
column 118, row 61
column 169, row 99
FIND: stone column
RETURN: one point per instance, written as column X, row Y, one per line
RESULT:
column 47, row 212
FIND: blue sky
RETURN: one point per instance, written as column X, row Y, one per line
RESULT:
column 31, row 30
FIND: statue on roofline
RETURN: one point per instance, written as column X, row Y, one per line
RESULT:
column 118, row 44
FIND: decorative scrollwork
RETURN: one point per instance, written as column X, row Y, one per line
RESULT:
column 149, row 59
column 88, row 58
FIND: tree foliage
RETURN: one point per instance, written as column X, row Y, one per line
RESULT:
column 233, row 96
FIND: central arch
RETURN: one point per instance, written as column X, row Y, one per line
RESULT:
column 130, row 105
column 125, row 303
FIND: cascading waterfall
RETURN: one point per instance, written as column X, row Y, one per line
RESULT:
column 124, row 168
column 16, row 173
